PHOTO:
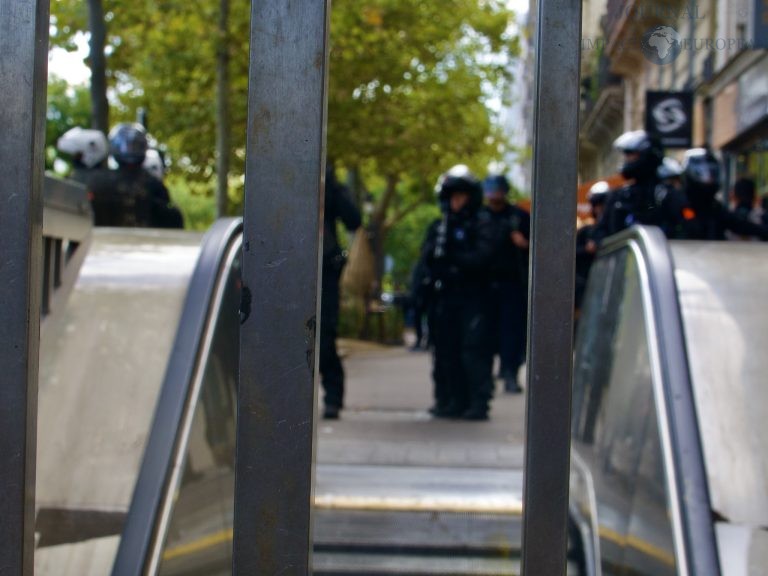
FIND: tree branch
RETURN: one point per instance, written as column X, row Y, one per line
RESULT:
column 380, row 214
column 398, row 216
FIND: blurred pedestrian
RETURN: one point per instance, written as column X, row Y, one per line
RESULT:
column 509, row 279
column 711, row 219
column 130, row 196
column 154, row 163
column 458, row 251
column 764, row 212
column 744, row 199
column 421, row 288
column 87, row 149
column 586, row 247
column 670, row 173
column 645, row 199
column 338, row 206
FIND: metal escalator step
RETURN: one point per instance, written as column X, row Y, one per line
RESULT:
column 398, row 520
column 362, row 564
column 471, row 533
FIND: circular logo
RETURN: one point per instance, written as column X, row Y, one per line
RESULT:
column 662, row 45
column 669, row 115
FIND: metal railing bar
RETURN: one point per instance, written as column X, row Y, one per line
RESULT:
column 58, row 257
column 281, row 255
column 550, row 343
column 23, row 77
column 47, row 276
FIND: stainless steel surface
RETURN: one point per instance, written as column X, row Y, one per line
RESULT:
column 743, row 550
column 689, row 512
column 694, row 534
column 66, row 210
column 23, row 73
column 622, row 451
column 103, row 358
column 722, row 298
column 552, row 287
column 203, row 466
column 660, row 518
column 152, row 486
column 281, row 252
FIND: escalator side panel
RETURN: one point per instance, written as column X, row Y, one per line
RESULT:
column 160, row 454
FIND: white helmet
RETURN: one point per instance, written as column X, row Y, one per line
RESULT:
column 89, row 147
column 670, row 168
column 153, row 163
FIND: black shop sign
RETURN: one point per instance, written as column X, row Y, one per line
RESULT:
column 669, row 115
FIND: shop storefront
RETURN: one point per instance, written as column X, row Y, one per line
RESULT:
column 740, row 127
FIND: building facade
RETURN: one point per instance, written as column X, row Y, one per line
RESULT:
column 706, row 48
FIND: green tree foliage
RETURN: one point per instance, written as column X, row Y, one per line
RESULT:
column 408, row 90
column 67, row 107
column 409, row 80
column 408, row 93
column 162, row 57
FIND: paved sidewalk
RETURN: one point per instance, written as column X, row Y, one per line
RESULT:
column 386, row 423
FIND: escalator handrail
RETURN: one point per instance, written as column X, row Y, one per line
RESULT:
column 138, row 533
column 693, row 491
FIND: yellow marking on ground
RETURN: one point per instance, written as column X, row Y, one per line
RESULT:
column 198, row 545
column 643, row 546
column 367, row 504
column 417, row 504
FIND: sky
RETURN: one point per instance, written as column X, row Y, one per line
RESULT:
column 70, row 65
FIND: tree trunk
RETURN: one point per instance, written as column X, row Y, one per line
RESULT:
column 98, row 66
column 355, row 185
column 222, row 111
column 378, row 229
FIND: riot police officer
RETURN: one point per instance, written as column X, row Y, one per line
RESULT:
column 711, row 219
column 509, row 279
column 338, row 206
column 130, row 196
column 154, row 163
column 670, row 173
column 645, row 200
column 458, row 251
column 586, row 247
column 88, row 150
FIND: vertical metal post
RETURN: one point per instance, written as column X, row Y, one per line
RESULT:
column 550, row 364
column 276, row 397
column 23, row 78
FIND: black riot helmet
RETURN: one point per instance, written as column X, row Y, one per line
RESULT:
column 649, row 155
column 701, row 175
column 459, row 179
column 128, row 144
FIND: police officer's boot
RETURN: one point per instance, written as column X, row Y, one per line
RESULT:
column 511, row 386
column 476, row 412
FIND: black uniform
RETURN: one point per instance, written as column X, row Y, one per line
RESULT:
column 647, row 202
column 129, row 196
column 421, row 289
column 458, row 252
column 84, row 175
column 712, row 220
column 338, row 205
column 584, row 259
column 701, row 177
column 509, row 291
